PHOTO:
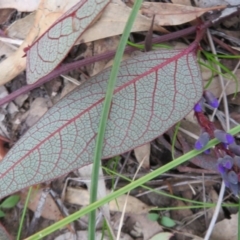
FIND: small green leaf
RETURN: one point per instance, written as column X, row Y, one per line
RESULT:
column 2, row 214
column 10, row 202
column 167, row 222
column 153, row 217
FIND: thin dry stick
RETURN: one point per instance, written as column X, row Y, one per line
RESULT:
column 188, row 182
column 204, row 198
column 190, row 134
column 125, row 204
column 220, row 198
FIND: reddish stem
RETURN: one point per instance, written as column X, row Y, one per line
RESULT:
column 81, row 63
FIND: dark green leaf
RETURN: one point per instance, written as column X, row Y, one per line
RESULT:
column 10, row 202
column 167, row 222
column 153, row 217
column 2, row 214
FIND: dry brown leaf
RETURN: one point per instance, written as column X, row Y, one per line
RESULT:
column 50, row 209
column 182, row 2
column 20, row 5
column 81, row 197
column 142, row 225
column 38, row 108
column 98, row 47
column 173, row 14
column 226, row 229
column 20, row 28
column 142, row 153
column 5, row 14
column 113, row 21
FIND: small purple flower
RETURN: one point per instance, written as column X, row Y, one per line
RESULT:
column 226, row 161
column 221, row 169
column 202, row 141
column 211, row 99
column 223, row 137
column 208, row 151
column 197, row 107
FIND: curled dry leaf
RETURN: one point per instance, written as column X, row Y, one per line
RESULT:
column 173, row 14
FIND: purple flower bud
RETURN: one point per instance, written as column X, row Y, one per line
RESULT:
column 202, row 141
column 221, row 169
column 197, row 107
column 208, row 151
column 223, row 136
column 232, row 177
column 227, row 162
column 211, row 99
column 234, row 148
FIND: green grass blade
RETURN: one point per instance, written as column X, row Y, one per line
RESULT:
column 24, row 213
column 126, row 188
column 154, row 46
column 105, row 113
column 175, row 139
column 222, row 55
column 238, row 219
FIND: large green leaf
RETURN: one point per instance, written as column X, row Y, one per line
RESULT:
column 153, row 92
